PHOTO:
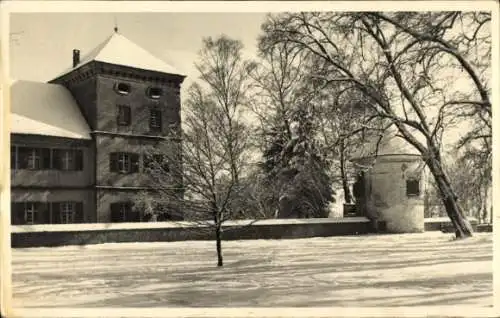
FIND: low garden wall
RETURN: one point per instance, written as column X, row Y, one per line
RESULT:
column 82, row 234
column 97, row 233
column 444, row 224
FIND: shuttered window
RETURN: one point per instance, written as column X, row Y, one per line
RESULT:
column 124, row 212
column 124, row 117
column 34, row 158
column 155, row 121
column 46, row 158
column 67, row 159
column 124, row 162
column 29, row 213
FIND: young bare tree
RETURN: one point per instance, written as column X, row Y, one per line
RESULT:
column 214, row 146
column 407, row 64
column 206, row 167
column 223, row 71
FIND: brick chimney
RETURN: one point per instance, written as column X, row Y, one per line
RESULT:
column 76, row 57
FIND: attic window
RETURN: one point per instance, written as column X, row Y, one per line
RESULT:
column 412, row 188
column 154, row 92
column 122, row 88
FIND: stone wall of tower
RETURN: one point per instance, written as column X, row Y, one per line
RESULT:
column 388, row 199
column 135, row 138
column 94, row 86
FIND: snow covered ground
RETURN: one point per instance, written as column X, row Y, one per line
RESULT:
column 426, row 269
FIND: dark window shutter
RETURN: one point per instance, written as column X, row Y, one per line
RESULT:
column 134, row 163
column 79, row 160
column 113, row 162
column 13, row 157
column 56, row 159
column 23, row 157
column 147, row 161
column 56, row 212
column 115, row 212
column 128, row 115
column 17, row 213
column 45, row 153
column 42, row 213
column 133, row 214
column 124, row 115
column 79, row 212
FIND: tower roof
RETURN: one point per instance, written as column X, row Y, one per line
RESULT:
column 119, row 50
column 390, row 144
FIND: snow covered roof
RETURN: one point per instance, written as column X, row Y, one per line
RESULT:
column 46, row 109
column 391, row 144
column 119, row 50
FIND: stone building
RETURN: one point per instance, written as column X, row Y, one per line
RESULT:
column 81, row 142
column 391, row 184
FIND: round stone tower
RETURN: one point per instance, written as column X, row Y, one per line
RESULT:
column 390, row 184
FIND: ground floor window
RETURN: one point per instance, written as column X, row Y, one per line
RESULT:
column 29, row 213
column 124, row 212
column 67, row 212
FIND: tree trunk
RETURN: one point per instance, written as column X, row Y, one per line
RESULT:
column 463, row 229
column 485, row 206
column 343, row 174
column 218, row 236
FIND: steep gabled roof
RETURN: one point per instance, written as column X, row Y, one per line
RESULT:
column 119, row 50
column 46, row 109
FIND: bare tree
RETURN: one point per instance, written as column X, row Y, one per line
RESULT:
column 405, row 64
column 206, row 167
column 345, row 125
column 222, row 71
column 214, row 146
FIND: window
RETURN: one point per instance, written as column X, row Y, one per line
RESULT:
column 66, row 212
column 156, row 161
column 67, row 159
column 34, row 158
column 124, row 115
column 124, row 212
column 30, row 213
column 154, row 92
column 412, row 187
column 122, row 88
column 155, row 119
column 124, row 162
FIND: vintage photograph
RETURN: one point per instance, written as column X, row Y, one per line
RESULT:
column 251, row 159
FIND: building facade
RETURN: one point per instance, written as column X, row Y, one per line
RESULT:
column 81, row 144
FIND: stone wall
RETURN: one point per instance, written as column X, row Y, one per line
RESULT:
column 82, row 234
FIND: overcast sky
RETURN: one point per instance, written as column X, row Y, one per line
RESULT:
column 43, row 42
